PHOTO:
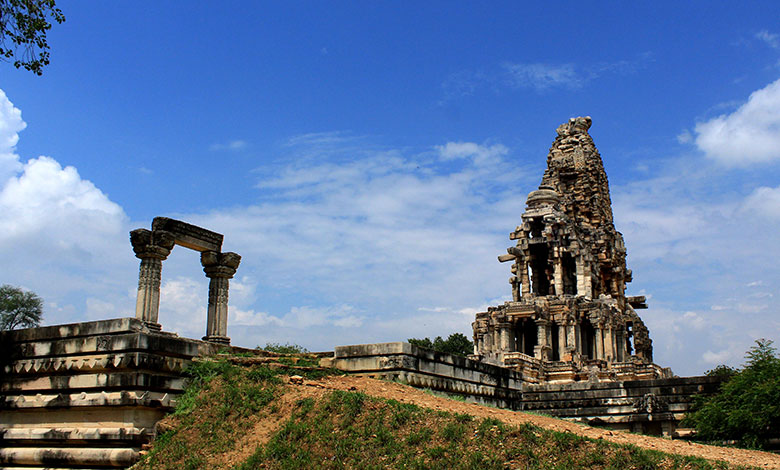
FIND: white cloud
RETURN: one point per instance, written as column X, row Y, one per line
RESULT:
column 481, row 154
column 771, row 39
column 715, row 358
column 543, row 76
column 11, row 124
column 230, row 145
column 764, row 202
column 684, row 137
column 749, row 135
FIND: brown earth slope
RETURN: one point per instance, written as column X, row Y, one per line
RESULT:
column 406, row 394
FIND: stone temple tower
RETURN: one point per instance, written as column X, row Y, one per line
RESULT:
column 569, row 318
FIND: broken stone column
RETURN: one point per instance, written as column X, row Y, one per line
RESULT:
column 152, row 248
column 219, row 268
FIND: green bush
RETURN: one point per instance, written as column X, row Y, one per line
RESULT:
column 747, row 407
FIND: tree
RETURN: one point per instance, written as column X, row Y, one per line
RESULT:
column 456, row 344
column 746, row 409
column 19, row 309
column 23, row 28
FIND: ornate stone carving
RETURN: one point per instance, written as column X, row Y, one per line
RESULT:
column 650, row 403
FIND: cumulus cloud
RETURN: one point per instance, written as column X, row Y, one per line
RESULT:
column 56, row 225
column 11, row 124
column 750, row 135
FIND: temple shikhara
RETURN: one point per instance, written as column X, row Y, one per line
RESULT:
column 569, row 318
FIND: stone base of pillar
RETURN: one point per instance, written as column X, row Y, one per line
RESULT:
column 153, row 326
column 217, row 339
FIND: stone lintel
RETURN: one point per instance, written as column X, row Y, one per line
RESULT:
column 188, row 235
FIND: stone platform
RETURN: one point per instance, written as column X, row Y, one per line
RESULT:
column 87, row 395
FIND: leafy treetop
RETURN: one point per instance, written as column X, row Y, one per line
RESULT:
column 456, row 344
column 23, row 28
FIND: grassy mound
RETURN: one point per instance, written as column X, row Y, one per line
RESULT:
column 217, row 422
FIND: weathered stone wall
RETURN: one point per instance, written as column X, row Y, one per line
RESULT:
column 642, row 406
column 87, row 395
column 647, row 406
column 476, row 381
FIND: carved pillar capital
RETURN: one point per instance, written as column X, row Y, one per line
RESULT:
column 155, row 244
column 219, row 264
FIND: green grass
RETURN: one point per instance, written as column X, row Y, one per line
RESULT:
column 346, row 430
column 353, row 430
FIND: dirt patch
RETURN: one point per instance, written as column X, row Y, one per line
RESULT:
column 406, row 394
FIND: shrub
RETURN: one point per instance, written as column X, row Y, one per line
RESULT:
column 747, row 407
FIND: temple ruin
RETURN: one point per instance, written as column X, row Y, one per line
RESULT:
column 569, row 318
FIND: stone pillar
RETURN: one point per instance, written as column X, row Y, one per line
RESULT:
column 219, row 268
column 571, row 342
column 542, row 348
column 152, row 248
column 580, row 271
column 578, row 337
column 504, row 330
column 599, row 342
column 558, row 276
column 525, row 282
column 609, row 343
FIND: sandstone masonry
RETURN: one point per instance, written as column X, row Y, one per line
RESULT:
column 569, row 318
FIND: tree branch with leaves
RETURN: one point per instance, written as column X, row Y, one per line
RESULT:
column 23, row 28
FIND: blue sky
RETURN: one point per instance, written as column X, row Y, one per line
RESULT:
column 369, row 160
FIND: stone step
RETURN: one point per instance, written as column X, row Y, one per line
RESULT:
column 74, row 435
column 53, row 457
